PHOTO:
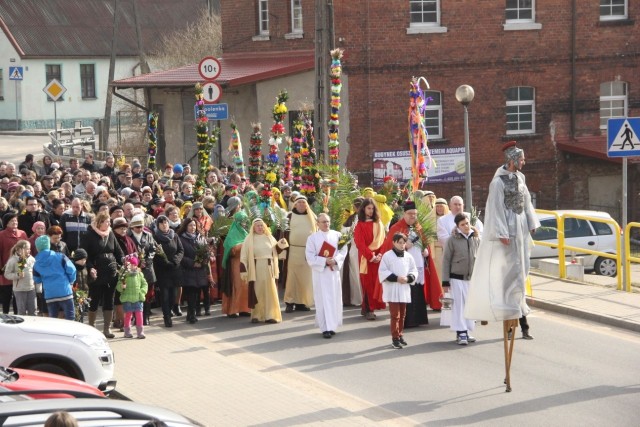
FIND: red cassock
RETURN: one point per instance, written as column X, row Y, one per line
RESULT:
column 371, row 287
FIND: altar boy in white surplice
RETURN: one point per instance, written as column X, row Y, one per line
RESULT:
column 325, row 260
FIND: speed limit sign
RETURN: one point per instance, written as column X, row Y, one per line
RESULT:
column 209, row 68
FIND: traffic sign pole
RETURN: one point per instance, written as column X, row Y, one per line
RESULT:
column 16, row 87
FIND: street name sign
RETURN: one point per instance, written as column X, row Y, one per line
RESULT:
column 214, row 111
column 622, row 137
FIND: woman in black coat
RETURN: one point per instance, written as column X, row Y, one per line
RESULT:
column 104, row 258
column 195, row 265
column 166, row 265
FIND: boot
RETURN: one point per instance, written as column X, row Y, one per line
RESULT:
column 107, row 316
column 146, row 313
column 140, row 332
column 92, row 318
column 168, row 322
column 127, row 332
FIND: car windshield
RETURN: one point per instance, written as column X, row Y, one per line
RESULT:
column 10, row 319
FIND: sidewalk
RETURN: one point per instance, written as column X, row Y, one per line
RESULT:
column 219, row 381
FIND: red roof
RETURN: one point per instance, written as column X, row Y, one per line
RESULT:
column 237, row 70
column 590, row 146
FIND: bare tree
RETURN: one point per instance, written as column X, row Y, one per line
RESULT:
column 191, row 44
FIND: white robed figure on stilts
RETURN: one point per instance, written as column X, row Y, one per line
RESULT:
column 497, row 286
column 326, row 260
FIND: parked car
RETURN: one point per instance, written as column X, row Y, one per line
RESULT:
column 52, row 385
column 592, row 235
column 88, row 412
column 57, row 346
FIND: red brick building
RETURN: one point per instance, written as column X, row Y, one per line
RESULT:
column 548, row 75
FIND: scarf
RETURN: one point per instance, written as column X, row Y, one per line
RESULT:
column 127, row 244
column 103, row 234
column 236, row 235
column 251, row 265
column 164, row 237
column 376, row 243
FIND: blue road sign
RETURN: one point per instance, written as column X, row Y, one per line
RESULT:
column 623, row 137
column 214, row 111
column 16, row 73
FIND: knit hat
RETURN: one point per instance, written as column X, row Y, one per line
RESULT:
column 197, row 205
column 12, row 186
column 119, row 222
column 233, row 203
column 114, row 208
column 37, row 224
column 79, row 254
column 43, row 243
column 137, row 221
column 136, row 164
column 8, row 217
column 177, row 168
column 133, row 260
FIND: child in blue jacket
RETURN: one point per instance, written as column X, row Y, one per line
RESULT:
column 57, row 273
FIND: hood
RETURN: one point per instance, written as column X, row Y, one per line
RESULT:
column 46, row 258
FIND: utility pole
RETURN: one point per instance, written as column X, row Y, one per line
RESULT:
column 104, row 140
column 144, row 65
column 324, row 44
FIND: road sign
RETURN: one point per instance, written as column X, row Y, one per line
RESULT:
column 209, row 68
column 214, row 111
column 54, row 89
column 16, row 73
column 623, row 137
column 212, row 92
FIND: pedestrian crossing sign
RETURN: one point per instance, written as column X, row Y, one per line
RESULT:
column 16, row 73
column 623, row 137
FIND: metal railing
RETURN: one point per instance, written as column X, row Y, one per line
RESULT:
column 628, row 257
column 562, row 246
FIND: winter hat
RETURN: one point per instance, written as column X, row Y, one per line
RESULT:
column 43, row 243
column 119, row 222
column 137, row 221
column 133, row 260
column 197, row 205
column 8, row 217
column 409, row 205
column 79, row 254
column 136, row 163
column 114, row 208
column 177, row 168
column 12, row 186
column 37, row 224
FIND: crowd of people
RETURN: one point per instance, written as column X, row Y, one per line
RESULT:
column 119, row 238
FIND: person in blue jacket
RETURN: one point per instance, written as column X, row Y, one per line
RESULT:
column 57, row 273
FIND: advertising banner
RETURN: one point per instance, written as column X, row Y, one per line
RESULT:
column 449, row 165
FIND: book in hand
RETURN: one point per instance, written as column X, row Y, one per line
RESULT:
column 327, row 250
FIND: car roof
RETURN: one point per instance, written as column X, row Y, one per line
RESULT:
column 98, row 411
column 581, row 212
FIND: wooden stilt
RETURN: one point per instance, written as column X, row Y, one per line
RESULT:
column 508, row 325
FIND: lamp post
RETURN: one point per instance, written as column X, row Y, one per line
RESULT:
column 464, row 95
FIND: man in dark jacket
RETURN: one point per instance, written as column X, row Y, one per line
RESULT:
column 74, row 224
column 31, row 216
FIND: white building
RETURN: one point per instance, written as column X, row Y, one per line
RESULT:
column 71, row 42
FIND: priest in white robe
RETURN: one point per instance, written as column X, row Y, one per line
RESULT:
column 326, row 264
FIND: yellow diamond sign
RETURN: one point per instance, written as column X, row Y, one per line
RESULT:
column 54, row 89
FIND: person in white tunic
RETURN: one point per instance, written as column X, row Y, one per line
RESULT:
column 497, row 290
column 397, row 272
column 457, row 266
column 326, row 275
column 446, row 223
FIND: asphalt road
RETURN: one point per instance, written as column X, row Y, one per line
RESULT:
column 575, row 373
column 14, row 148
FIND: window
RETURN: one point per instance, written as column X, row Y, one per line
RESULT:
column 263, row 17
column 613, row 9
column 548, row 230
column 433, row 114
column 53, row 71
column 424, row 17
column 602, row 229
column 613, row 101
column 1, row 84
column 519, row 10
column 521, row 110
column 574, row 227
column 88, row 81
column 296, row 16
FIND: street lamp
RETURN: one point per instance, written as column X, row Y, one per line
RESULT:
column 464, row 95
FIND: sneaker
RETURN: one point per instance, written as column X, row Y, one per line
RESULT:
column 471, row 339
column 396, row 344
column 462, row 339
column 401, row 340
column 370, row 315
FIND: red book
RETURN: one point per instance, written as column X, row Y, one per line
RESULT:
column 327, row 250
